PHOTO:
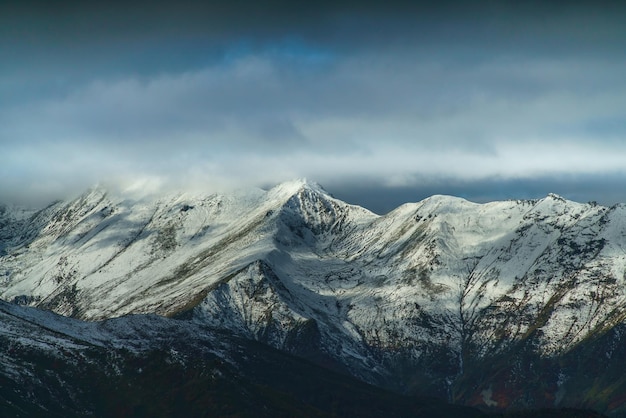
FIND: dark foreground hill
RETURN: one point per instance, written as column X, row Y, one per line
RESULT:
column 147, row 366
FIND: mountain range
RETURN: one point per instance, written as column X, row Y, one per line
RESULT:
column 504, row 306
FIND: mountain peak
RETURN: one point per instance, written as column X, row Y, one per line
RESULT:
column 293, row 187
column 423, row 288
column 555, row 196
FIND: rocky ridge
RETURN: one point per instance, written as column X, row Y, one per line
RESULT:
column 496, row 305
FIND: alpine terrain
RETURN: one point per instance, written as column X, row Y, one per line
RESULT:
column 504, row 306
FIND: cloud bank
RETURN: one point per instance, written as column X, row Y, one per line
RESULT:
column 404, row 98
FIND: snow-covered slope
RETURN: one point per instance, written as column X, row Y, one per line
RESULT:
column 434, row 286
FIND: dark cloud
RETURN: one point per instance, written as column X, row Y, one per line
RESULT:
column 70, row 24
column 430, row 96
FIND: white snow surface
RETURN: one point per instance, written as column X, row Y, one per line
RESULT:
column 443, row 271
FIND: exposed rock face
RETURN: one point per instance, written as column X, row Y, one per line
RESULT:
column 492, row 304
column 150, row 366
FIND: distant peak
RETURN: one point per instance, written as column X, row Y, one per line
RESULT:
column 295, row 186
column 445, row 198
column 555, row 196
column 445, row 201
column 306, row 183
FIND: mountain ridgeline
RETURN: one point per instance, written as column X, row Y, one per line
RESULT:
column 504, row 306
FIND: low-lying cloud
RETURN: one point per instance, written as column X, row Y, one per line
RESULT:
column 449, row 100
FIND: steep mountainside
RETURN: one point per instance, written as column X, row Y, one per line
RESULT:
column 149, row 366
column 497, row 304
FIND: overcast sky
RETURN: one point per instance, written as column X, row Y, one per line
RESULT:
column 381, row 103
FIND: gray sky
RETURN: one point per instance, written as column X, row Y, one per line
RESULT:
column 381, row 104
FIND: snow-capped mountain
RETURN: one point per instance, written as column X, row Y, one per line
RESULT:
column 444, row 296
